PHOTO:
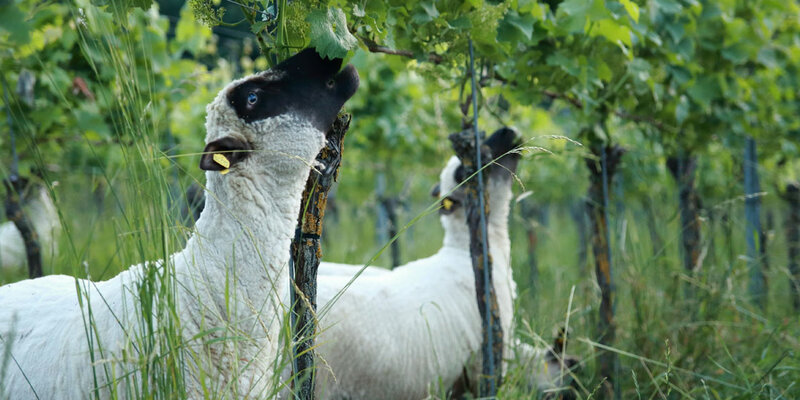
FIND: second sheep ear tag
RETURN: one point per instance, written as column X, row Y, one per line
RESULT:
column 223, row 161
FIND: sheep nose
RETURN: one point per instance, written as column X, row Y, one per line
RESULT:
column 348, row 81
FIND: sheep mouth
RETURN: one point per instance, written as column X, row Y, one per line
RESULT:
column 348, row 81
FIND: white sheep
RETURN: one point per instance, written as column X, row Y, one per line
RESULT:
column 232, row 274
column 403, row 333
column 348, row 270
column 42, row 213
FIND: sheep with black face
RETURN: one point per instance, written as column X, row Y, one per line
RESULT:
column 399, row 334
column 263, row 133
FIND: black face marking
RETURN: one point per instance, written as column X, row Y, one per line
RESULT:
column 501, row 142
column 311, row 86
column 460, row 174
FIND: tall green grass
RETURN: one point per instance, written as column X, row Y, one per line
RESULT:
column 715, row 344
column 152, row 366
column 122, row 215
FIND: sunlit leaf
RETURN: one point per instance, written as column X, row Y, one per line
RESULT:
column 613, row 31
column 329, row 34
column 632, row 9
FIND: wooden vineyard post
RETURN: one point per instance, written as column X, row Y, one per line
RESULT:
column 577, row 212
column 602, row 168
column 387, row 219
column 389, row 206
column 682, row 168
column 306, row 254
column 492, row 347
column 13, row 202
column 753, row 232
column 792, row 198
column 528, row 211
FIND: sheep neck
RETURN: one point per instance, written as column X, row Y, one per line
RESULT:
column 500, row 246
column 240, row 250
column 456, row 233
column 456, row 236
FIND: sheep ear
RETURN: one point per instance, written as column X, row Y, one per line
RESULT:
column 436, row 190
column 228, row 150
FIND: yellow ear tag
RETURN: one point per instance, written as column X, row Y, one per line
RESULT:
column 447, row 204
column 224, row 171
column 222, row 160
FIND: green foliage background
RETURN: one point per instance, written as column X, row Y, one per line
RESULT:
column 117, row 111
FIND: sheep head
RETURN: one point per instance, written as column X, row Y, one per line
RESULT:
column 276, row 119
column 501, row 145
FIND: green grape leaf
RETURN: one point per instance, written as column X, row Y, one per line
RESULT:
column 515, row 28
column 13, row 21
column 613, row 31
column 430, row 8
column 768, row 58
column 426, row 12
column 92, row 123
column 682, row 109
column 329, row 34
column 575, row 7
column 676, row 30
column 704, row 90
column 258, row 27
column 737, row 54
column 461, row 23
column 669, row 6
column 632, row 9
column 190, row 34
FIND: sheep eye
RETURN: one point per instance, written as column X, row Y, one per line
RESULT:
column 330, row 83
column 252, row 98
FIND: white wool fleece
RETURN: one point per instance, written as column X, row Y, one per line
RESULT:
column 231, row 280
